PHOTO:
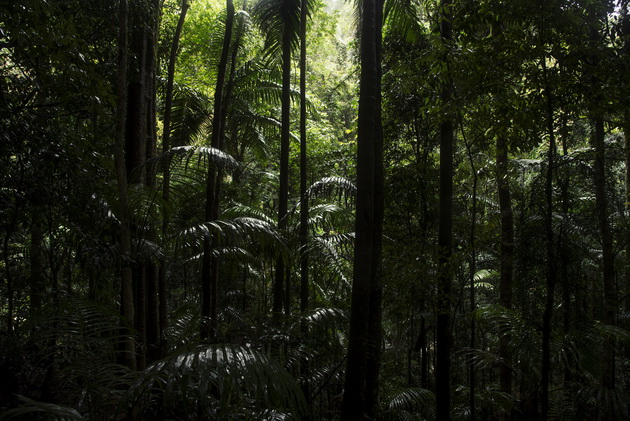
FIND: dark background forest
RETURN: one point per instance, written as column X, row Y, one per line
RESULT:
column 289, row 209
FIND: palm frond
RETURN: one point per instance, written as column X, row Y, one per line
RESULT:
column 240, row 210
column 31, row 408
column 329, row 186
column 403, row 17
column 190, row 113
column 239, row 231
column 207, row 153
column 217, row 381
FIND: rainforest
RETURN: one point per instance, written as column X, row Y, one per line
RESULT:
column 315, row 210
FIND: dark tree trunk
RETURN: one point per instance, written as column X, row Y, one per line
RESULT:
column 209, row 270
column 281, row 277
column 374, row 339
column 507, row 257
column 473, row 270
column 596, row 15
column 626, row 131
column 166, row 170
column 9, row 278
column 36, row 277
column 610, row 293
column 304, row 283
column 445, row 231
column 354, row 398
column 127, row 305
column 551, row 255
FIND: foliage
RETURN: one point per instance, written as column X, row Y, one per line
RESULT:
column 526, row 73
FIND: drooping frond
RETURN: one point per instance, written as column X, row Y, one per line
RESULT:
column 273, row 16
column 403, row 17
column 216, row 382
column 240, row 210
column 31, row 409
column 323, row 317
column 409, row 399
column 329, row 186
column 207, row 154
column 238, row 231
column 190, row 113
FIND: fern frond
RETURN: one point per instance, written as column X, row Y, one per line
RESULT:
column 31, row 408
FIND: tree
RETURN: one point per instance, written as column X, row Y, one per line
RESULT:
column 445, row 230
column 166, row 170
column 355, row 398
column 126, row 298
column 280, row 20
column 209, row 270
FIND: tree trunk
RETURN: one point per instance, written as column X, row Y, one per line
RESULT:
column 473, row 270
column 209, row 270
column 126, row 299
column 283, row 196
column 445, row 233
column 551, row 255
column 304, row 284
column 610, row 294
column 36, row 277
column 507, row 257
column 166, row 170
column 354, row 399
column 375, row 315
column 596, row 14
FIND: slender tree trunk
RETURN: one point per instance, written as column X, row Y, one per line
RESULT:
column 596, row 14
column 36, row 277
column 127, row 305
column 473, row 270
column 551, row 255
column 166, row 170
column 507, row 257
column 353, row 404
column 151, row 267
column 375, row 314
column 209, row 272
column 304, row 286
column 627, row 269
column 625, row 29
column 445, row 233
column 283, row 196
column 9, row 278
column 304, row 283
column 610, row 293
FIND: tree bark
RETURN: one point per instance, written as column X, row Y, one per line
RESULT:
column 375, row 315
column 209, row 270
column 36, row 276
column 550, row 246
column 596, row 14
column 304, row 261
column 507, row 258
column 279, row 297
column 354, row 398
column 445, row 233
column 166, row 169
column 127, row 305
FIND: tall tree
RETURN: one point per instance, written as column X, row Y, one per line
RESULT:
column 507, row 259
column 209, row 268
column 280, row 20
column 126, row 299
column 596, row 16
column 445, row 228
column 355, row 400
column 166, row 169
